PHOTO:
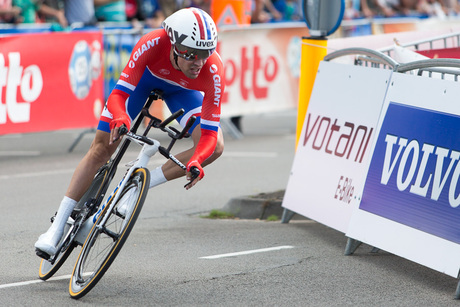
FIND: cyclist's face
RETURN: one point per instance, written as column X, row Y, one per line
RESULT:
column 191, row 68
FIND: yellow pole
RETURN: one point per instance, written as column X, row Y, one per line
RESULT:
column 313, row 51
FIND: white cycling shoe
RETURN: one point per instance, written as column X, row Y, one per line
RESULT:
column 47, row 242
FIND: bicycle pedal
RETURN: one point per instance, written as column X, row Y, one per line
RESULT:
column 42, row 254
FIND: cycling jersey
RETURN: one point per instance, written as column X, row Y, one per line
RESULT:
column 149, row 68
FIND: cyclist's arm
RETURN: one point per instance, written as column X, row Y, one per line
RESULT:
column 210, row 113
column 116, row 104
column 204, row 149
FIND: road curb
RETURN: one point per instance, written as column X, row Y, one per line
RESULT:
column 259, row 206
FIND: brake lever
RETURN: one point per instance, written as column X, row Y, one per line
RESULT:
column 122, row 130
column 195, row 173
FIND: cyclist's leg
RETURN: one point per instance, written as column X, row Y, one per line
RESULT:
column 99, row 153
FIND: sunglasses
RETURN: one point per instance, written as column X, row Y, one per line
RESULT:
column 191, row 54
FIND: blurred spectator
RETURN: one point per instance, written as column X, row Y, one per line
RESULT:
column 352, row 9
column 390, row 8
column 9, row 13
column 371, row 8
column 205, row 5
column 153, row 13
column 55, row 9
column 170, row 6
column 431, row 7
column 264, row 11
column 31, row 9
column 453, row 7
column 110, row 10
column 148, row 11
column 289, row 9
column 80, row 12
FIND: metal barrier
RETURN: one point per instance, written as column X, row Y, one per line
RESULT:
column 432, row 66
column 365, row 56
column 377, row 59
column 444, row 41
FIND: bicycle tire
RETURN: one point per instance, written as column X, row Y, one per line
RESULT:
column 48, row 269
column 102, row 248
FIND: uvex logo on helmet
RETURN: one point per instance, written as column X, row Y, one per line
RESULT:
column 205, row 44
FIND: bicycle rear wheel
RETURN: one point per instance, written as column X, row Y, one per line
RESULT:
column 105, row 241
column 49, row 267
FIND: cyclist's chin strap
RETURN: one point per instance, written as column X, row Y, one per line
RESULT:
column 175, row 60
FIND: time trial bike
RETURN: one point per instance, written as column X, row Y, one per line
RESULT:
column 101, row 225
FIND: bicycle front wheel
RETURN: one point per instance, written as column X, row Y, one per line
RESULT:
column 105, row 241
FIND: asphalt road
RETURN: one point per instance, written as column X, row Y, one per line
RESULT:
column 175, row 257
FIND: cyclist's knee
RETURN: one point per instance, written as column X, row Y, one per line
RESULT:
column 100, row 150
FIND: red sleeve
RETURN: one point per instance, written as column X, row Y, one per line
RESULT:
column 116, row 104
column 206, row 146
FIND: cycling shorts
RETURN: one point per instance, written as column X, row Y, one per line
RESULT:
column 174, row 96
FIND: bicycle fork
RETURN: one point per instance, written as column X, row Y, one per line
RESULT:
column 147, row 152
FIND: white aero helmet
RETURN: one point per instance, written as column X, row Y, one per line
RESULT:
column 192, row 33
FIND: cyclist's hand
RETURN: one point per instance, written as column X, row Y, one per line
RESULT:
column 115, row 125
column 192, row 175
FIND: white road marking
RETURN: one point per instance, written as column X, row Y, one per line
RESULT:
column 19, row 153
column 254, row 251
column 30, row 282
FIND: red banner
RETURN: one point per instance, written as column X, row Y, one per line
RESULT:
column 50, row 81
column 446, row 53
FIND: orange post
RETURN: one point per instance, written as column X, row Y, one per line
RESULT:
column 231, row 12
column 313, row 52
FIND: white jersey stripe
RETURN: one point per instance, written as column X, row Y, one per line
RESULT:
column 210, row 123
column 126, row 84
column 189, row 114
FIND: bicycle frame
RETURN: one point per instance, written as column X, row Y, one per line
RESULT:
column 147, row 152
column 149, row 148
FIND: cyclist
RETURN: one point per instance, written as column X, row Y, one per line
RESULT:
column 180, row 60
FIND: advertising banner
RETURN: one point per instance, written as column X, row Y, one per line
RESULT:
column 116, row 52
column 334, row 148
column 410, row 203
column 261, row 69
column 50, row 81
column 446, row 53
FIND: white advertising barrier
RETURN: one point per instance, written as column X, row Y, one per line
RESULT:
column 334, row 148
column 262, row 67
column 410, row 203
